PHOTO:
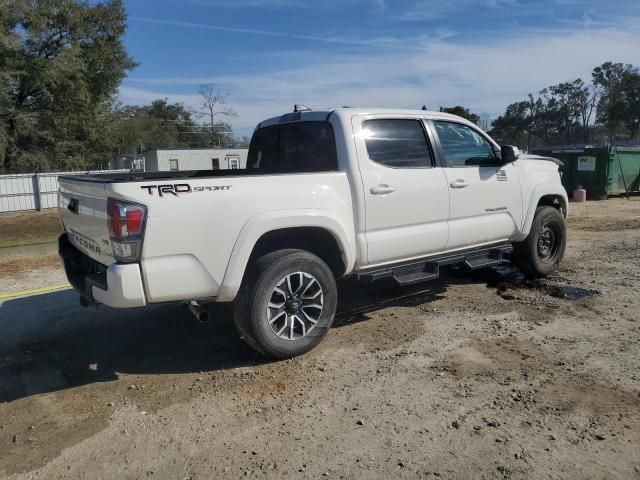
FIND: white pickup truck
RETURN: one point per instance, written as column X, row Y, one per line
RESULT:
column 372, row 193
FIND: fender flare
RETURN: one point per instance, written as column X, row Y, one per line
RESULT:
column 266, row 222
column 541, row 190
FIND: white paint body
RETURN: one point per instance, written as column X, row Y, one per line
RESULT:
column 198, row 245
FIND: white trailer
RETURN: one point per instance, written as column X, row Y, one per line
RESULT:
column 174, row 160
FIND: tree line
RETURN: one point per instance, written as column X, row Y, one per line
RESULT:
column 61, row 63
column 600, row 111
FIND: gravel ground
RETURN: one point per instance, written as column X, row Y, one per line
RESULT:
column 482, row 376
column 26, row 273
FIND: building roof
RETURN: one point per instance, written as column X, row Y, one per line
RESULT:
column 222, row 149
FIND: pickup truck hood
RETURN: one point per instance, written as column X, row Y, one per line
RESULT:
column 536, row 169
column 530, row 157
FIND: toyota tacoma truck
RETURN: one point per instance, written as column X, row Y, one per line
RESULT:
column 369, row 193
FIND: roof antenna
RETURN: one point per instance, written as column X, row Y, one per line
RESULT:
column 300, row 108
column 424, row 107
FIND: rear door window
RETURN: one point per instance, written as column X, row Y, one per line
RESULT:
column 293, row 148
column 397, row 143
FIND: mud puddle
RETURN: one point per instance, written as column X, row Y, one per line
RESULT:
column 505, row 278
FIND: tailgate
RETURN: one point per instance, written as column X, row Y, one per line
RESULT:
column 83, row 209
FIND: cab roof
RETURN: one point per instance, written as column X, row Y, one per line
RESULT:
column 348, row 112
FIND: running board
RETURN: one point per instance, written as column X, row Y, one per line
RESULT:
column 413, row 274
column 422, row 271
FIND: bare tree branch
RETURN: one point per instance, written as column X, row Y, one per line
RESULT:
column 214, row 104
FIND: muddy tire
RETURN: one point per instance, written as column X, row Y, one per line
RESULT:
column 286, row 304
column 539, row 254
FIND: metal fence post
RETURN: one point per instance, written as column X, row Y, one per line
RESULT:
column 36, row 192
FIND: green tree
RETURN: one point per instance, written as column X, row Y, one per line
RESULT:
column 630, row 102
column 564, row 107
column 574, row 111
column 164, row 125
column 242, row 142
column 462, row 112
column 61, row 62
column 616, row 85
column 513, row 126
column 159, row 125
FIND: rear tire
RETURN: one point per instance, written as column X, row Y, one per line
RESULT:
column 539, row 254
column 286, row 304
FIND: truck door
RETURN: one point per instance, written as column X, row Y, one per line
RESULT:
column 405, row 194
column 485, row 195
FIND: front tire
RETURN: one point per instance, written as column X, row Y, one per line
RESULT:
column 286, row 304
column 540, row 253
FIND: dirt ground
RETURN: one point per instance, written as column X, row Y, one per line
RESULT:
column 29, row 227
column 483, row 376
column 26, row 273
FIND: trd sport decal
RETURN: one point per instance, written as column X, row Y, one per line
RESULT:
column 178, row 188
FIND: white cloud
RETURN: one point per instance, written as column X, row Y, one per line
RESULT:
column 388, row 41
column 483, row 76
column 299, row 4
column 421, row 10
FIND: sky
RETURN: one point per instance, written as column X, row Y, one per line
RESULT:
column 268, row 55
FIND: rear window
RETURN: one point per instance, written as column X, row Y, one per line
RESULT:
column 293, row 148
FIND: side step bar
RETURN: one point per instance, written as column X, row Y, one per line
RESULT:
column 422, row 271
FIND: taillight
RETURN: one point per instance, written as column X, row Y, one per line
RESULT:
column 134, row 220
column 125, row 222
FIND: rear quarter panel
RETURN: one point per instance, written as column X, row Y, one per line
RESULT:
column 197, row 243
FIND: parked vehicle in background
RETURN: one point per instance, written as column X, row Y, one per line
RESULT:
column 373, row 193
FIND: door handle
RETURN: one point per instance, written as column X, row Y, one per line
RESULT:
column 458, row 184
column 382, row 189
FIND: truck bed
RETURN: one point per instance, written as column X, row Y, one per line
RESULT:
column 199, row 174
column 190, row 235
column 141, row 176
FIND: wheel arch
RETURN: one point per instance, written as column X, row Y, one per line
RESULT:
column 307, row 230
column 546, row 194
column 554, row 200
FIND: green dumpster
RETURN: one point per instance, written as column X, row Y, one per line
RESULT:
column 601, row 171
column 624, row 170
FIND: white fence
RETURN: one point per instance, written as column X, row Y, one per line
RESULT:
column 33, row 191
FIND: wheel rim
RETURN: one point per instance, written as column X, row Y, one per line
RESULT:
column 295, row 306
column 547, row 243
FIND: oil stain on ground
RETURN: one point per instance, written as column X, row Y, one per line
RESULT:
column 506, row 278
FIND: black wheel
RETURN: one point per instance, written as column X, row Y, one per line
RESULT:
column 539, row 254
column 286, row 304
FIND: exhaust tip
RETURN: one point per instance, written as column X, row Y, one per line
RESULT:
column 201, row 315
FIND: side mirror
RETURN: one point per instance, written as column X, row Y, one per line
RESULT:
column 509, row 153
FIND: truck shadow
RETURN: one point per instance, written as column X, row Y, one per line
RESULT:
column 50, row 343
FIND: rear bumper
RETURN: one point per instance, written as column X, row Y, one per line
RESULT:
column 118, row 286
